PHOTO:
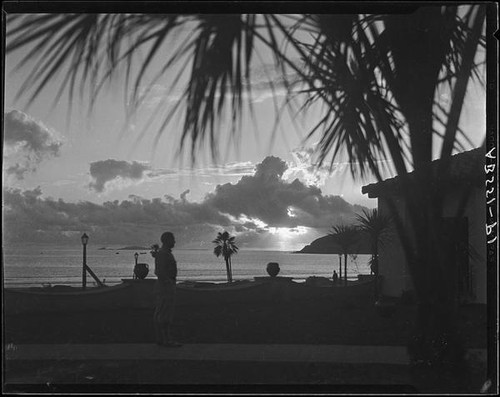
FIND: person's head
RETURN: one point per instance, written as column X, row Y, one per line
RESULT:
column 168, row 239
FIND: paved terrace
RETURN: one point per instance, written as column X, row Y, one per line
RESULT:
column 336, row 368
column 347, row 354
column 216, row 352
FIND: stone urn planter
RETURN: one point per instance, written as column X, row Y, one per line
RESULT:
column 273, row 268
column 141, row 270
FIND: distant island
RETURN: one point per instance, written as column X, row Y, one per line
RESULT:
column 327, row 245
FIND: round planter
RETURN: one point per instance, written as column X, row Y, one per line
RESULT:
column 273, row 268
column 141, row 270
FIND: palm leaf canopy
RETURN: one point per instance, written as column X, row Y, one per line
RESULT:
column 345, row 236
column 225, row 245
column 375, row 225
column 368, row 71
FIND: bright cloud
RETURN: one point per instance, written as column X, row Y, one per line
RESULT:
column 305, row 168
column 288, row 231
column 224, row 170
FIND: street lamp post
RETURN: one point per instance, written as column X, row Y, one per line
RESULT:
column 340, row 268
column 136, row 256
column 85, row 240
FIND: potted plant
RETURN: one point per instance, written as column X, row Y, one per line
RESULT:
column 273, row 268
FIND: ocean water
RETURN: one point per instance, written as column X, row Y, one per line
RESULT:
column 42, row 265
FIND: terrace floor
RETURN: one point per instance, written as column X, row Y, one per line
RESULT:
column 335, row 368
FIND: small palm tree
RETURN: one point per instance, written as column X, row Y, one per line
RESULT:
column 225, row 246
column 345, row 236
column 376, row 226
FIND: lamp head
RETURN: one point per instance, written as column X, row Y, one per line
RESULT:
column 85, row 239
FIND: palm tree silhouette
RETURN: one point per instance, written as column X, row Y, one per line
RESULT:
column 225, row 246
column 346, row 237
column 378, row 76
column 376, row 227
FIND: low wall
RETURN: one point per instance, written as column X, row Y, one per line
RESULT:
column 140, row 294
column 262, row 290
column 36, row 300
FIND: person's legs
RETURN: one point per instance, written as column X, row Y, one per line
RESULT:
column 158, row 333
column 164, row 313
column 166, row 336
column 157, row 320
column 169, row 309
column 162, row 321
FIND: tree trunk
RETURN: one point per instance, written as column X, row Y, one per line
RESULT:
column 375, row 270
column 345, row 269
column 418, row 67
column 435, row 341
column 228, row 270
column 340, row 268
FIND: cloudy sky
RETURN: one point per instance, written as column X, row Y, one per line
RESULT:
column 67, row 171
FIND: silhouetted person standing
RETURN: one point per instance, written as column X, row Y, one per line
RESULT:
column 166, row 271
column 335, row 277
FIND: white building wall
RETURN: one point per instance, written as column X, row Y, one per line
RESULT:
column 392, row 261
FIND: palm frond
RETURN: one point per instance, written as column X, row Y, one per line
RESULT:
column 357, row 66
column 225, row 244
column 376, row 225
column 357, row 108
column 345, row 236
column 218, row 250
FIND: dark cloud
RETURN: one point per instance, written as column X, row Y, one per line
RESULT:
column 271, row 169
column 184, row 195
column 260, row 209
column 30, row 217
column 18, row 170
column 109, row 170
column 34, row 136
column 27, row 143
column 267, row 197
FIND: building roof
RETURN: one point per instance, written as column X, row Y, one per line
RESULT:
column 465, row 169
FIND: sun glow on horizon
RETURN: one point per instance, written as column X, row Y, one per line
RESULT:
column 288, row 231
